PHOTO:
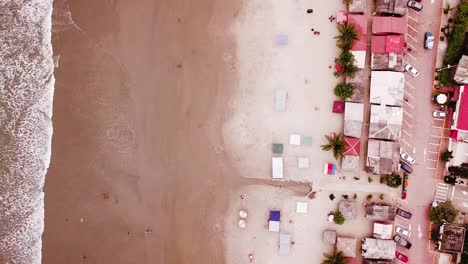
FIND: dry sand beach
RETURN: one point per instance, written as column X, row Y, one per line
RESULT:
column 138, row 171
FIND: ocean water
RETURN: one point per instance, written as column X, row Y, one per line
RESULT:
column 26, row 93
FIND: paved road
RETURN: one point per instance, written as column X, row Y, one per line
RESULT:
column 421, row 133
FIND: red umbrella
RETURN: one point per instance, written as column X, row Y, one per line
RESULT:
column 338, row 68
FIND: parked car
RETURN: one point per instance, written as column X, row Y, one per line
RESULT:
column 401, row 257
column 428, row 40
column 402, row 231
column 439, row 114
column 406, row 167
column 404, row 194
column 406, row 157
column 402, row 242
column 416, row 6
column 411, row 70
column 403, row 213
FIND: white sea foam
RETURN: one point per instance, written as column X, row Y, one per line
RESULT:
column 26, row 92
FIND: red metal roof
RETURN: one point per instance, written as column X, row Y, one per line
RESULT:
column 378, row 44
column 462, row 123
column 395, row 44
column 350, row 260
column 353, row 145
column 360, row 22
column 388, row 25
column 456, row 94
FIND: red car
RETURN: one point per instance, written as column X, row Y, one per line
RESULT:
column 401, row 257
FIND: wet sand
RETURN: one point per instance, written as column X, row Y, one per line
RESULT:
column 138, row 171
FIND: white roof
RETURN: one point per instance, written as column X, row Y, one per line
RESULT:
column 273, row 226
column 387, row 87
column 301, row 207
column 284, row 245
column 280, row 100
column 303, row 163
column 360, row 58
column 383, row 231
column 277, row 167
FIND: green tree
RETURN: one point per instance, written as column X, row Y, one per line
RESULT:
column 459, row 171
column 393, row 180
column 349, row 70
column 348, row 34
column 336, row 145
column 435, row 235
column 446, row 156
column 338, row 218
column 345, row 57
column 344, row 90
column 444, row 212
column 369, row 197
column 337, row 257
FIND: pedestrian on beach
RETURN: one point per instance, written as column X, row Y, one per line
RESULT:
column 310, row 11
column 312, row 30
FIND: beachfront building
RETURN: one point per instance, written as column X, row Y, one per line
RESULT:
column 382, row 157
column 461, row 74
column 387, row 61
column 388, row 44
column 387, row 87
column 383, row 230
column 378, row 248
column 359, row 47
column 380, row 212
column 459, row 129
column 391, row 7
column 350, row 162
column 329, row 237
column 358, row 82
column 385, row 122
column 376, row 261
column 348, row 209
column 347, row 245
column 386, row 25
column 357, row 6
column 452, row 238
column 353, row 119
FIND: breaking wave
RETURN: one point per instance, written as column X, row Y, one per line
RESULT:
column 26, row 93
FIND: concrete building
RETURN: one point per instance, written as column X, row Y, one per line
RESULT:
column 387, row 87
column 387, row 61
column 347, row 245
column 382, row 156
column 380, row 212
column 453, row 238
column 378, row 248
column 358, row 82
column 388, row 44
column 385, row 25
column 391, row 7
column 385, row 122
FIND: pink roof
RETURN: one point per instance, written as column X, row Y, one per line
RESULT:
column 338, row 106
column 462, row 122
column 360, row 22
column 395, row 44
column 378, row 44
column 353, row 145
column 350, row 260
column 388, row 25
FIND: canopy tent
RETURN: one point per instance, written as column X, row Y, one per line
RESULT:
column 353, row 146
column 274, row 221
column 329, row 169
column 338, row 106
column 284, row 245
column 277, row 168
column 280, row 100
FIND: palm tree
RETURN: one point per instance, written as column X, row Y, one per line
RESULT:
column 347, row 2
column 348, row 33
column 348, row 70
column 345, row 57
column 336, row 257
column 335, row 144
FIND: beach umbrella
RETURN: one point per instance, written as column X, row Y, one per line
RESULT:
column 243, row 214
column 441, row 98
column 242, row 223
column 331, row 217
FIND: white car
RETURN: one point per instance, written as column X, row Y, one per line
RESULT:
column 403, row 231
column 439, row 114
column 406, row 157
column 411, row 70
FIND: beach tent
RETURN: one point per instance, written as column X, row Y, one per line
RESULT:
column 277, row 168
column 280, row 100
column 277, row 148
column 303, row 163
column 329, row 169
column 284, row 245
column 274, row 221
column 295, row 139
column 281, row 40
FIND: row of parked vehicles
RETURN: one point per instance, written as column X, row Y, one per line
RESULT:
column 402, row 235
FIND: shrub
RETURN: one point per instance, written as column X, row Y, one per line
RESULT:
column 435, row 236
column 393, row 180
column 381, row 196
column 446, row 156
column 344, row 90
column 331, row 196
column 357, row 178
column 338, row 218
column 369, row 197
column 459, row 171
column 345, row 196
column 450, row 180
column 355, row 196
column 369, row 179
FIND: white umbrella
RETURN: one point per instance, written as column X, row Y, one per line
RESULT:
column 441, row 98
column 331, row 217
column 242, row 223
column 243, row 214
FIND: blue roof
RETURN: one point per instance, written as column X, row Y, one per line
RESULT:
column 275, row 215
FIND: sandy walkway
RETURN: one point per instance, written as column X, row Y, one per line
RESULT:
column 138, row 172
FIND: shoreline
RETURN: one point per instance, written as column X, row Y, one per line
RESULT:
column 137, row 143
